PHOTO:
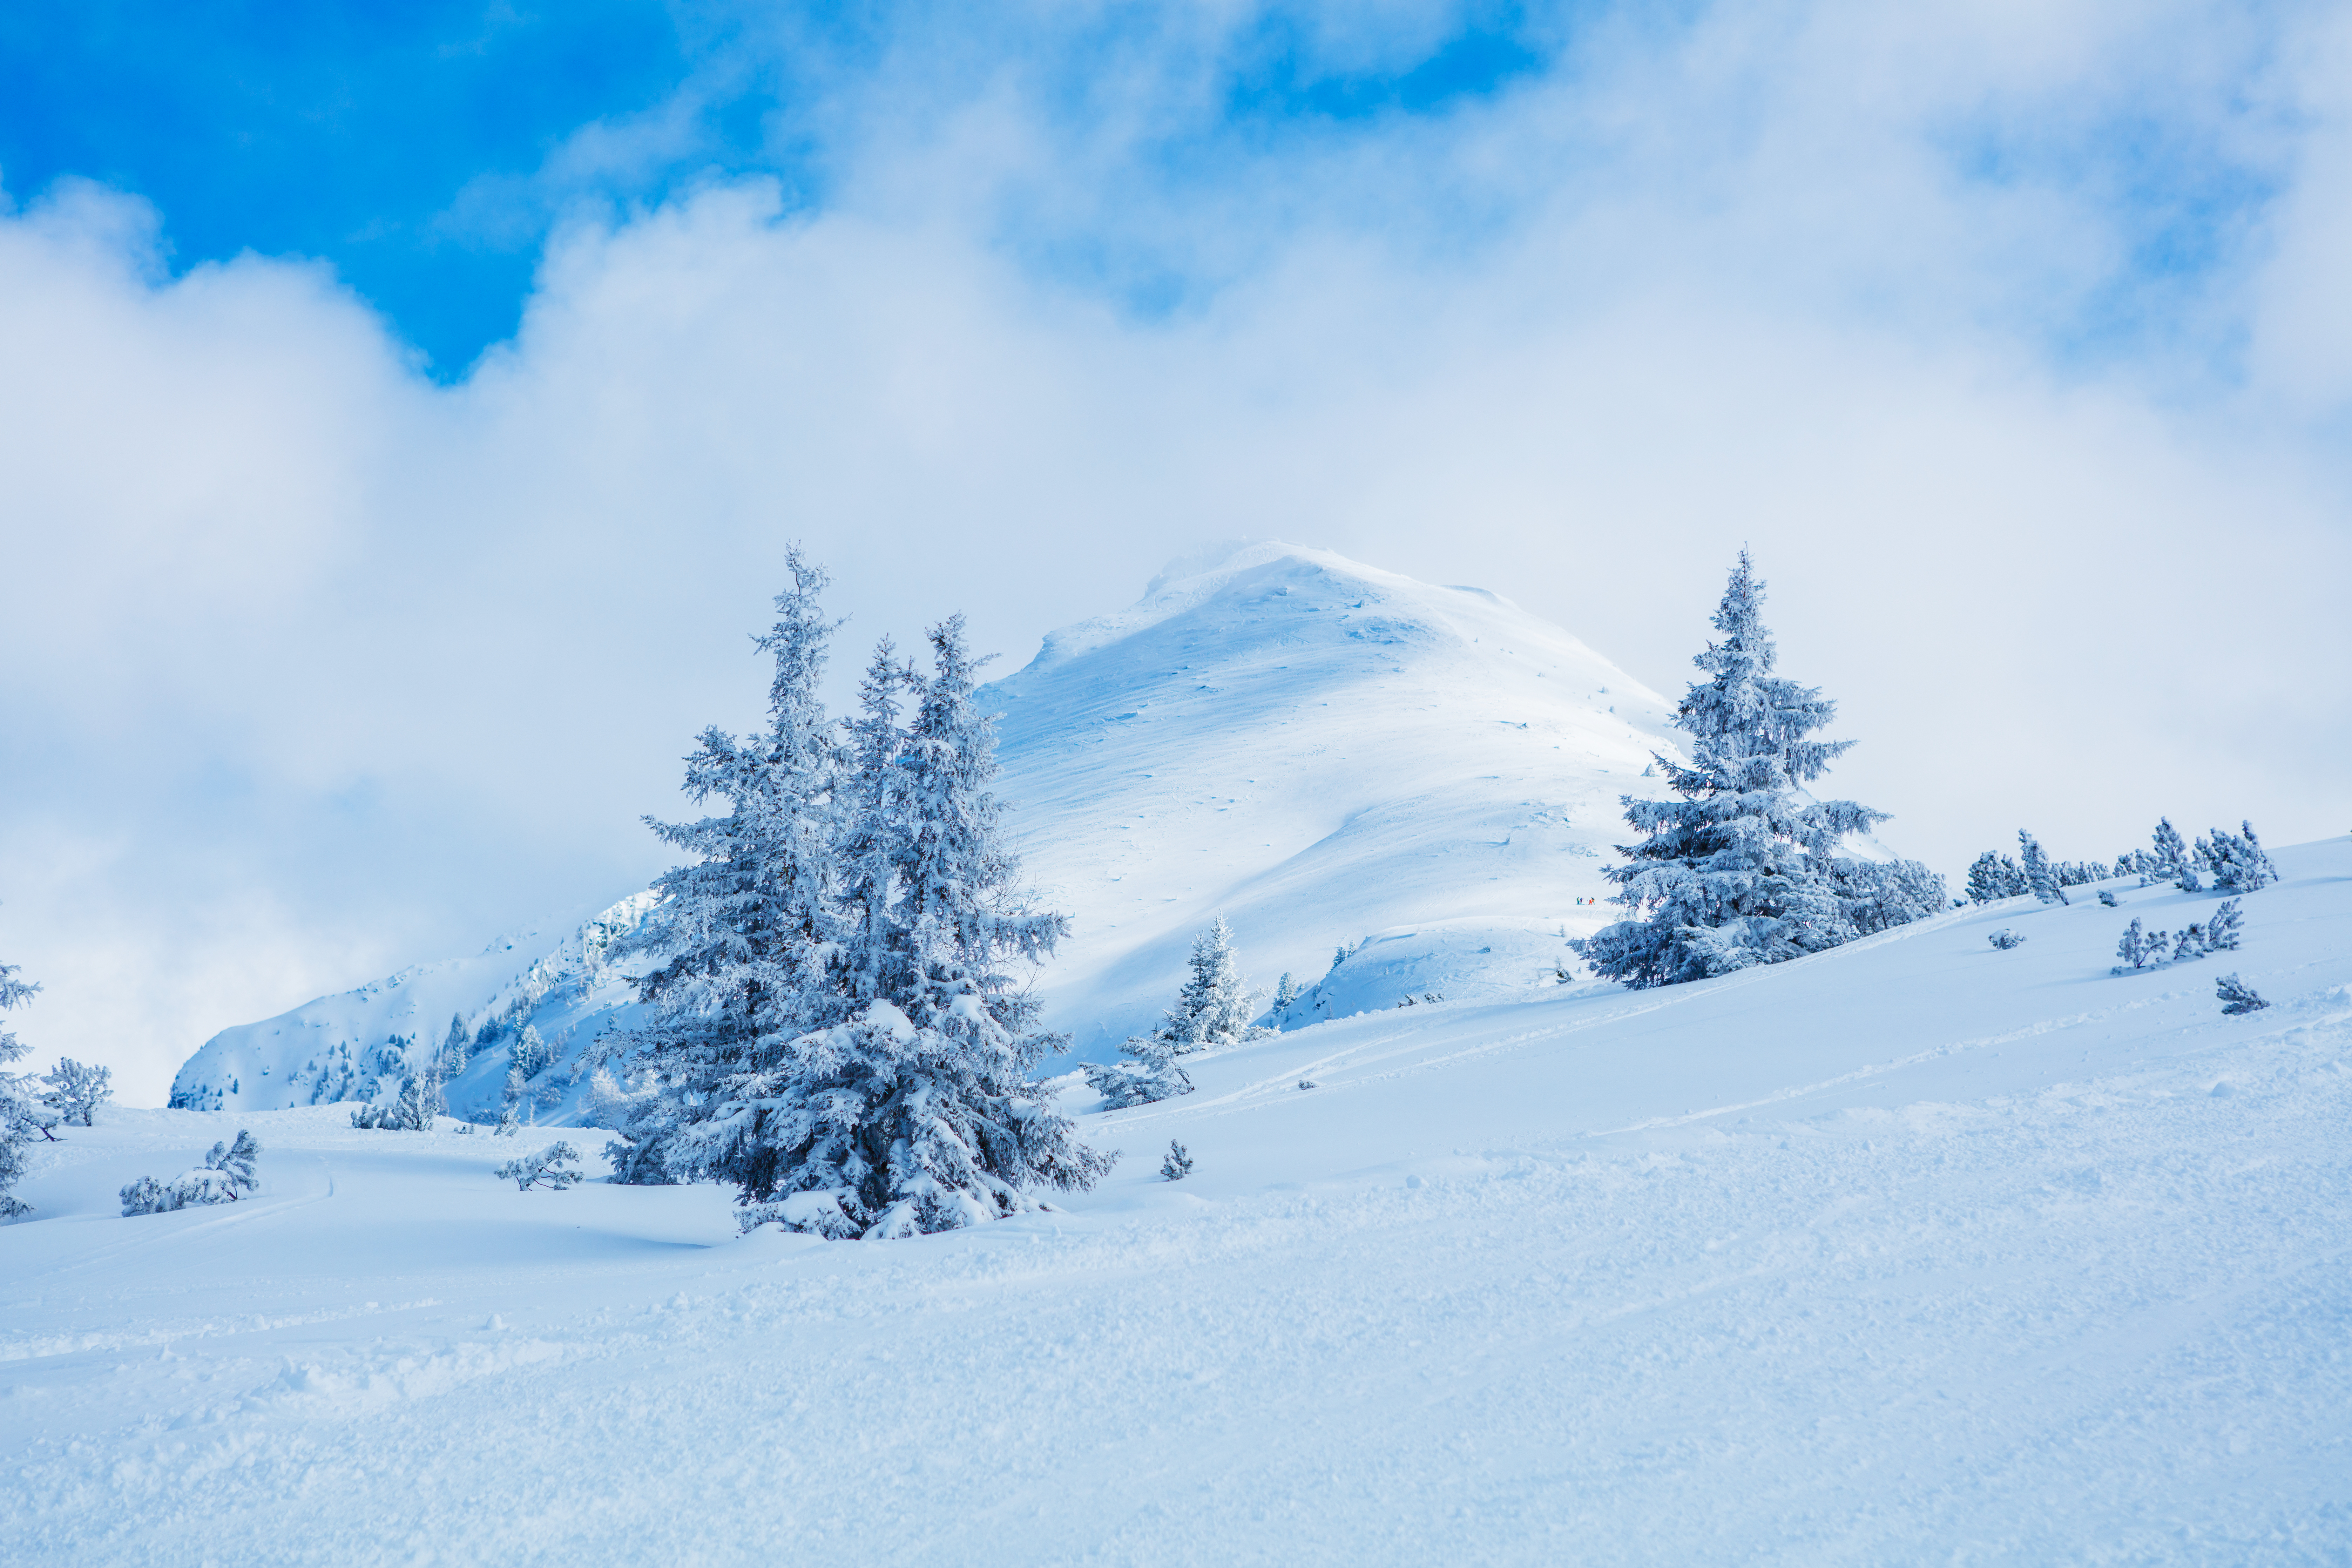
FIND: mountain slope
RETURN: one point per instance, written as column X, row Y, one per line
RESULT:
column 1911, row 1251
column 1319, row 749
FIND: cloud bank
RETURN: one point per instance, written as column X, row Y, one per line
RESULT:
column 2011, row 338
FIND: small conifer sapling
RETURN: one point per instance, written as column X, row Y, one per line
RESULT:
column 2237, row 996
column 1178, row 1164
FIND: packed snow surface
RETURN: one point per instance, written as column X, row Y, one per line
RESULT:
column 1318, row 750
column 1914, row 1250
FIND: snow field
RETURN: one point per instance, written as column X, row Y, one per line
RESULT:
column 1910, row 1251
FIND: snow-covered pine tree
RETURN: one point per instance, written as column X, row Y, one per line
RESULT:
column 1286, row 991
column 557, row 1166
column 76, row 1091
column 1213, row 1010
column 748, row 927
column 2039, row 879
column 2237, row 996
column 228, row 1173
column 22, row 1117
column 1178, row 1164
column 914, row 1114
column 1743, row 869
column 1149, row 1074
column 2224, row 927
column 2236, row 860
column 1994, row 877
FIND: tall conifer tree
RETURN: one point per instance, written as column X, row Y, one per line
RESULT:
column 1744, row 867
column 748, row 925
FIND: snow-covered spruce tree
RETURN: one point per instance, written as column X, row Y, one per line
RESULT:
column 2041, row 881
column 2225, row 927
column 1213, row 1011
column 750, row 927
column 1744, row 868
column 913, row 1113
column 76, row 1090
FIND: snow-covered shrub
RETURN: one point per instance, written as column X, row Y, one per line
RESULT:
column 1995, row 876
column 227, row 1173
column 2039, row 879
column 2138, row 949
column 557, row 1167
column 1745, row 867
column 834, row 1029
column 413, row 1109
column 2189, row 944
column 76, row 1091
column 2237, row 996
column 2237, row 860
column 1149, row 1074
column 1178, row 1164
column 2170, row 859
column 2005, row 940
column 2107, row 897
column 2224, row 927
column 22, row 1115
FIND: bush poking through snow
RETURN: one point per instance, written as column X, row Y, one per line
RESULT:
column 2108, row 897
column 77, row 1092
column 1178, row 1164
column 1149, row 1074
column 226, row 1176
column 556, row 1167
column 2005, row 940
column 2237, row 860
column 2224, row 927
column 2237, row 996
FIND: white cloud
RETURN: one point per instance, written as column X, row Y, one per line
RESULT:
column 313, row 668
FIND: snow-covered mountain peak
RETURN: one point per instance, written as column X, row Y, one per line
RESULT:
column 1321, row 749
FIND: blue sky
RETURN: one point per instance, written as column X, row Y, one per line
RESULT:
column 406, row 409
column 410, row 146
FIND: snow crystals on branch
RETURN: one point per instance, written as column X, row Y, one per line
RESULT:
column 836, row 1031
column 227, row 1175
column 1746, row 868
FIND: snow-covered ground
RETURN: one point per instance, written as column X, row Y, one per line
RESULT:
column 1911, row 1251
column 1319, row 750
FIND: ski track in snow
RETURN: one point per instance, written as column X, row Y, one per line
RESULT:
column 1909, row 1252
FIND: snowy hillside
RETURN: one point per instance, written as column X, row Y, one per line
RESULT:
column 1913, row 1250
column 1321, row 749
column 359, row 1044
